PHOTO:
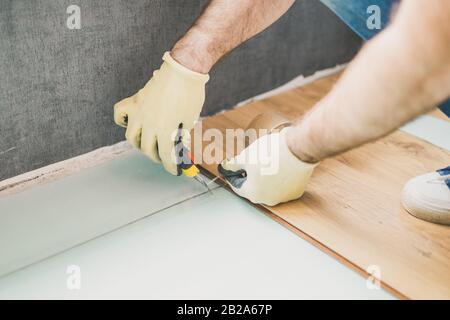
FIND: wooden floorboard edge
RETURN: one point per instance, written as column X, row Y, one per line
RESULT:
column 341, row 259
column 296, row 82
column 305, row 236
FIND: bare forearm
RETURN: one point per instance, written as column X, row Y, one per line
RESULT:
column 402, row 73
column 223, row 26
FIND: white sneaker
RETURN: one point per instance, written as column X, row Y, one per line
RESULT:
column 427, row 197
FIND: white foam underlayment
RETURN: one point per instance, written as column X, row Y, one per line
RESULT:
column 214, row 246
column 51, row 218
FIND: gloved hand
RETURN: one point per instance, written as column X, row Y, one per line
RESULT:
column 174, row 96
column 267, row 172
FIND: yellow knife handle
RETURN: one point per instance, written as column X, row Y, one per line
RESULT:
column 191, row 172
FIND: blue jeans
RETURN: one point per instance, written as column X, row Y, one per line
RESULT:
column 355, row 14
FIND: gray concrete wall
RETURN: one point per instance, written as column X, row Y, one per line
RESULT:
column 58, row 85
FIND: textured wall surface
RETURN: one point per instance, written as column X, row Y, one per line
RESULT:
column 58, row 85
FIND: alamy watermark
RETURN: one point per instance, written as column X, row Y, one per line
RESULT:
column 74, row 19
column 211, row 144
column 373, row 282
column 73, row 281
column 373, row 22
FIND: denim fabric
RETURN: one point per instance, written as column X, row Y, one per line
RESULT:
column 445, row 172
column 355, row 15
column 445, row 108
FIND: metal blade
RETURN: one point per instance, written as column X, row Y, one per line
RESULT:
column 202, row 181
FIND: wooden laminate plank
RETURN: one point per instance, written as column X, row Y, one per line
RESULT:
column 352, row 204
column 439, row 114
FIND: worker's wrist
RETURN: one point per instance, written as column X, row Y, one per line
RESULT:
column 300, row 144
column 192, row 51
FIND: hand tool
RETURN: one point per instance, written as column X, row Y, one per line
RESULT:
column 185, row 161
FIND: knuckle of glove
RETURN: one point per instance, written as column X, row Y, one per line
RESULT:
column 122, row 110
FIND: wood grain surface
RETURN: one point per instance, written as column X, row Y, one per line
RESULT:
column 352, row 209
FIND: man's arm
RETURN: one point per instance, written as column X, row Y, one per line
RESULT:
column 400, row 74
column 174, row 96
column 223, row 26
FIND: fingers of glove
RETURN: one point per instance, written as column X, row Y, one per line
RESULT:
column 247, row 190
column 123, row 110
column 233, row 164
column 149, row 144
column 134, row 132
column 166, row 150
column 244, row 189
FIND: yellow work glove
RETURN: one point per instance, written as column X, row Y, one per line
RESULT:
column 174, row 96
column 267, row 172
